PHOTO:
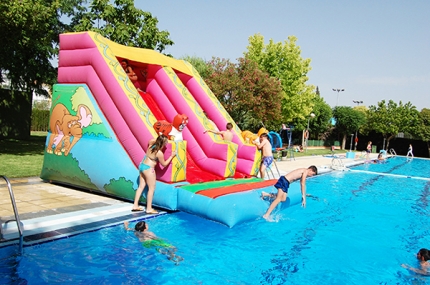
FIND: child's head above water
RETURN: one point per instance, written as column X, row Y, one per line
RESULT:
column 140, row 226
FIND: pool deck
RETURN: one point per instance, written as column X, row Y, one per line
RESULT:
column 52, row 211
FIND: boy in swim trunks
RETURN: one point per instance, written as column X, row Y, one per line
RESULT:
column 283, row 184
column 266, row 153
column 150, row 240
column 227, row 135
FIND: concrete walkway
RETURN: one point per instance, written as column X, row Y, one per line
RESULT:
column 47, row 210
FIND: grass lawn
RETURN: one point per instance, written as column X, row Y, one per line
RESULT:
column 317, row 151
column 22, row 158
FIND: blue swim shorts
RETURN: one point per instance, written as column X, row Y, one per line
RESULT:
column 282, row 184
column 267, row 160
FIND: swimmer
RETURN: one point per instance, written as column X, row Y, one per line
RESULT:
column 423, row 256
column 150, row 240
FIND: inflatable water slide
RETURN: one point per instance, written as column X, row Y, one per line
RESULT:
column 100, row 126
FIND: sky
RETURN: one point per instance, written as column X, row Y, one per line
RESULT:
column 373, row 49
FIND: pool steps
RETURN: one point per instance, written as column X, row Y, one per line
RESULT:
column 63, row 225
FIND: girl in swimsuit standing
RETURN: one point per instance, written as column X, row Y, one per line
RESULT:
column 147, row 172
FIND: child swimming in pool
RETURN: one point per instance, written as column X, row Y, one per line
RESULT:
column 423, row 256
column 150, row 240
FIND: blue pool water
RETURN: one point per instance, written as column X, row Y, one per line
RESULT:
column 416, row 167
column 358, row 228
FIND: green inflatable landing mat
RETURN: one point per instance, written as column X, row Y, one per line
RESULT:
column 217, row 184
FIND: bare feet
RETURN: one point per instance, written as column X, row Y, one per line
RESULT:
column 263, row 195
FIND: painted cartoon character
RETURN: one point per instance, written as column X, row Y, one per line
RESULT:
column 172, row 131
column 63, row 126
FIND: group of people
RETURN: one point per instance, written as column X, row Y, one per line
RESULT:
column 155, row 155
column 380, row 156
column 283, row 183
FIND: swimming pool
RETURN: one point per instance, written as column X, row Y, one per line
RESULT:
column 358, row 228
column 402, row 166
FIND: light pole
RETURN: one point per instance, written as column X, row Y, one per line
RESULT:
column 350, row 148
column 312, row 115
column 356, row 138
column 338, row 90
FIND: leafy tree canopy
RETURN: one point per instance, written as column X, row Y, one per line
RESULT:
column 348, row 121
column 123, row 23
column 248, row 94
column 199, row 64
column 29, row 31
column 390, row 118
column 423, row 129
column 321, row 124
column 284, row 62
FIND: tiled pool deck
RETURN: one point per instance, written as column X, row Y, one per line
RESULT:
column 47, row 210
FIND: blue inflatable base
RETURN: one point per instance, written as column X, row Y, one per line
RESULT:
column 236, row 208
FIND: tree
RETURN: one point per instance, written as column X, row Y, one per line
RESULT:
column 30, row 28
column 248, row 94
column 321, row 124
column 348, row 121
column 284, row 62
column 29, row 31
column 423, row 129
column 199, row 64
column 390, row 119
column 123, row 23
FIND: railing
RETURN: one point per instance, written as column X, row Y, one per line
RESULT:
column 15, row 210
column 337, row 164
column 392, row 152
column 270, row 171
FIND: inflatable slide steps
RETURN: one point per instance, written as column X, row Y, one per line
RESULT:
column 221, row 188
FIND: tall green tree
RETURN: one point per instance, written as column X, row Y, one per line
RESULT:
column 199, row 64
column 348, row 121
column 121, row 22
column 423, row 129
column 320, row 126
column 248, row 94
column 29, row 31
column 391, row 118
column 284, row 62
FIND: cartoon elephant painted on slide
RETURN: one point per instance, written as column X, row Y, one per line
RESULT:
column 63, row 125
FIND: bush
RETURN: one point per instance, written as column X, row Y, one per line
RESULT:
column 39, row 120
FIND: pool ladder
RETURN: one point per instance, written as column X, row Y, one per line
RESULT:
column 392, row 152
column 15, row 210
column 337, row 164
column 270, row 171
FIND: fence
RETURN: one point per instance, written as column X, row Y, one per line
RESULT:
column 321, row 143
